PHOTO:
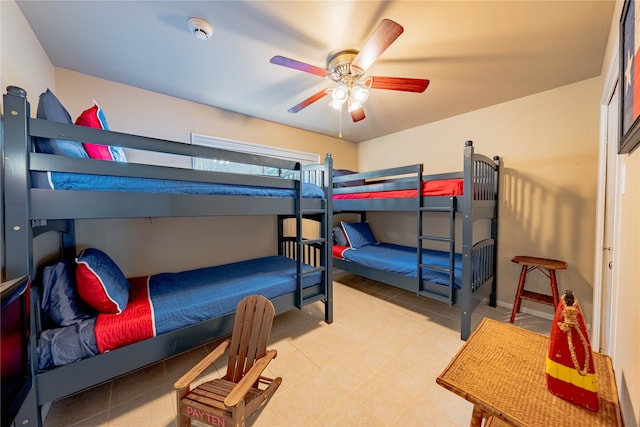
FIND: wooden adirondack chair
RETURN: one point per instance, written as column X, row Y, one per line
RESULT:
column 229, row 400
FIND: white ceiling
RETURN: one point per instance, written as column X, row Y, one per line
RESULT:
column 476, row 53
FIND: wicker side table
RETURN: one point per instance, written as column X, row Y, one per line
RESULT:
column 501, row 370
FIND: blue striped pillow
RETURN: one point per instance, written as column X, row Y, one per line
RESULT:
column 50, row 108
column 359, row 234
column 100, row 282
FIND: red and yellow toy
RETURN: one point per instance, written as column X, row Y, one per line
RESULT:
column 570, row 371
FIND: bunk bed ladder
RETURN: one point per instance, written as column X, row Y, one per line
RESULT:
column 449, row 270
column 312, row 251
column 312, row 255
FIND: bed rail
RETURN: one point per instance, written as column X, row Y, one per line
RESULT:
column 20, row 132
column 484, row 270
column 399, row 178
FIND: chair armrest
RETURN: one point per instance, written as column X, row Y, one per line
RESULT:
column 203, row 365
column 244, row 385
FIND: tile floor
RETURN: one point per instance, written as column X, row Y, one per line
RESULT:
column 376, row 365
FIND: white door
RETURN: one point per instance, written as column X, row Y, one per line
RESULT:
column 608, row 257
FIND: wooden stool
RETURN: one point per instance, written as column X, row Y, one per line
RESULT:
column 548, row 267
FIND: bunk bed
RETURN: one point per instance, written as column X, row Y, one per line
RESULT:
column 301, row 269
column 464, row 278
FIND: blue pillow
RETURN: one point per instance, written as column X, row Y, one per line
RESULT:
column 359, row 234
column 338, row 237
column 60, row 300
column 100, row 282
column 50, row 108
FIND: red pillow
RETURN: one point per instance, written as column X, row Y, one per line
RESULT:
column 100, row 282
column 94, row 118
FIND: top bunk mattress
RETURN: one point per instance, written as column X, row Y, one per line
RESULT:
column 79, row 181
column 441, row 187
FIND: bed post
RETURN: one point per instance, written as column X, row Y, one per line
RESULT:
column 467, row 241
column 17, row 229
column 494, row 232
column 419, row 231
column 299, row 252
column 328, row 193
column 17, row 243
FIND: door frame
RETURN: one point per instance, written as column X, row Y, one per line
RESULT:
column 608, row 165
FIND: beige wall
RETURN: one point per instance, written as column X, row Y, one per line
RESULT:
column 22, row 58
column 548, row 143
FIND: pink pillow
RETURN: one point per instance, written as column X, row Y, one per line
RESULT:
column 94, row 118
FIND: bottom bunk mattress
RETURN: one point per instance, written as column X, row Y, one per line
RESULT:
column 402, row 260
column 169, row 301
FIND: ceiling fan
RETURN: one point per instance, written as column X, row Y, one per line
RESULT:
column 347, row 67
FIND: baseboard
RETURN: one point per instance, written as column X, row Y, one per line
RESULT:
column 531, row 311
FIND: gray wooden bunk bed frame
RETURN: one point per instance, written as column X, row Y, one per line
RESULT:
column 30, row 212
column 481, row 176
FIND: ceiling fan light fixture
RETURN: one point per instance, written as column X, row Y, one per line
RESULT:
column 351, row 92
column 340, row 93
column 336, row 105
column 359, row 95
column 354, row 105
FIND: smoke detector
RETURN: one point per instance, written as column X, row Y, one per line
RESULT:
column 200, row 28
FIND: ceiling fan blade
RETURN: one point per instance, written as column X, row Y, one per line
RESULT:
column 398, row 83
column 385, row 33
column 310, row 100
column 297, row 65
column 357, row 115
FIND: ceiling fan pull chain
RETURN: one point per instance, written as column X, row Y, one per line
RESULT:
column 340, row 124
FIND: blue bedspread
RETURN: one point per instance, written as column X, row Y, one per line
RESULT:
column 185, row 298
column 78, row 181
column 166, row 302
column 402, row 260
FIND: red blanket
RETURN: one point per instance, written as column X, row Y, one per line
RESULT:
column 338, row 251
column 441, row 187
column 134, row 324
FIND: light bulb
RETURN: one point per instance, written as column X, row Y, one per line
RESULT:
column 340, row 94
column 336, row 104
column 359, row 94
column 354, row 105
